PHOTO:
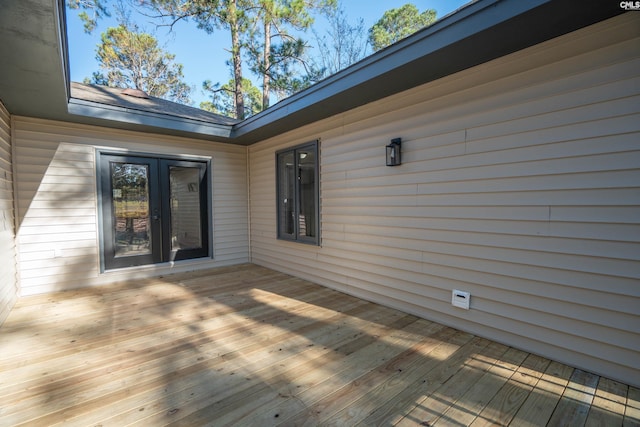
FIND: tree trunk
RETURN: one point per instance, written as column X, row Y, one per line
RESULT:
column 266, row 80
column 237, row 60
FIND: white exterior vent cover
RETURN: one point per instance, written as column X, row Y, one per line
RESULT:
column 460, row 299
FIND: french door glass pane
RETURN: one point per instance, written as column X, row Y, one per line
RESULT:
column 307, row 178
column 184, row 189
column 286, row 191
column 131, row 216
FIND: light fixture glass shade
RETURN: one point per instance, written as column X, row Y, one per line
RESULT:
column 393, row 153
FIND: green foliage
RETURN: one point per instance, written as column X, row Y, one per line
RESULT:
column 96, row 8
column 134, row 59
column 286, row 76
column 260, row 32
column 274, row 53
column 223, row 98
column 210, row 15
column 397, row 24
column 263, row 33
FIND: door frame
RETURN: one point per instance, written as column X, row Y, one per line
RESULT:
column 166, row 255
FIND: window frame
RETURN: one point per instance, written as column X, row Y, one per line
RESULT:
column 296, row 237
column 161, row 161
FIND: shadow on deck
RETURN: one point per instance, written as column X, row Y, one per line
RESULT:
column 250, row 346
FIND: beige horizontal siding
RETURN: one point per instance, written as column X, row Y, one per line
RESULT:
column 8, row 280
column 520, row 183
column 57, row 202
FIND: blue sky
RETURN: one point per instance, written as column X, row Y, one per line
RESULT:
column 203, row 55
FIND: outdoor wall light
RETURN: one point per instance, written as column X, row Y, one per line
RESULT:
column 393, row 152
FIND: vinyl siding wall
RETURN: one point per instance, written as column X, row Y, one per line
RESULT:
column 520, row 184
column 57, row 206
column 8, row 281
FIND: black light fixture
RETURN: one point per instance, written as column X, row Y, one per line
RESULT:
column 393, row 152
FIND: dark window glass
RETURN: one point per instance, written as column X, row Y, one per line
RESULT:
column 286, row 192
column 298, row 188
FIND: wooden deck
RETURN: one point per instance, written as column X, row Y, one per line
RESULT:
column 248, row 346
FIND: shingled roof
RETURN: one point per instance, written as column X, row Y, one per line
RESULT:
column 118, row 97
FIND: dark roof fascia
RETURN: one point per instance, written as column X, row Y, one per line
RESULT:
column 180, row 125
column 476, row 33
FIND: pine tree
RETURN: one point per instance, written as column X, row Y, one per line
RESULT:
column 131, row 59
column 397, row 24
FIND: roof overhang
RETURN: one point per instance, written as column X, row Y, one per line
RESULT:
column 132, row 118
column 118, row 105
column 477, row 33
column 34, row 67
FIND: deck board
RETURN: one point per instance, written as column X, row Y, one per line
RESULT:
column 249, row 346
column 541, row 402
